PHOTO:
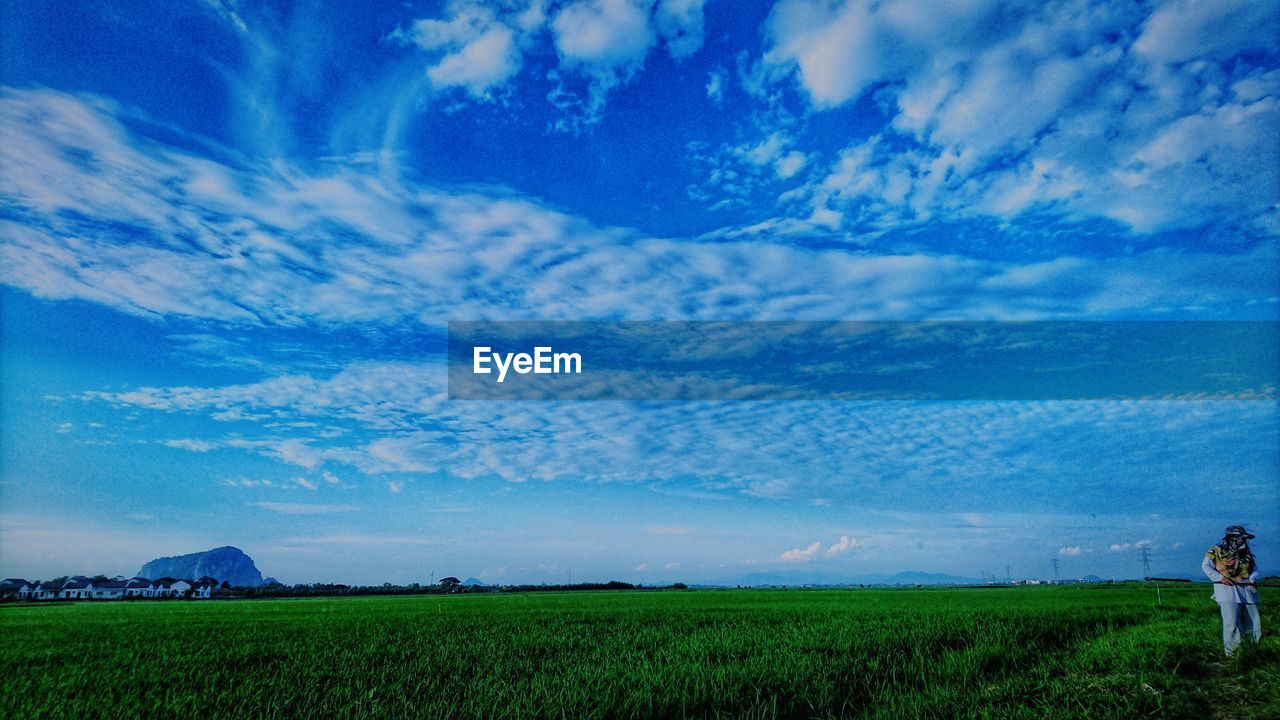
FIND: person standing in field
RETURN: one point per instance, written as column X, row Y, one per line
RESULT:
column 1234, row 570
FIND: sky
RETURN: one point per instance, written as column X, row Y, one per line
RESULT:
column 232, row 235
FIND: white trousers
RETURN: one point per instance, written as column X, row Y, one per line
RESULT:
column 1238, row 620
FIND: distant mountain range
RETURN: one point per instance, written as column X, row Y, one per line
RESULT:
column 801, row 577
column 226, row 564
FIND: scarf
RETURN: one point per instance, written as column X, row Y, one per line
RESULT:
column 1232, row 558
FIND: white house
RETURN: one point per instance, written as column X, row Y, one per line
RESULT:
column 169, row 588
column 204, row 588
column 76, row 588
column 46, row 591
column 107, row 589
column 28, row 591
column 13, row 587
column 80, row 587
column 136, row 587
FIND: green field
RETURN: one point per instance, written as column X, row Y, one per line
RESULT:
column 1013, row 652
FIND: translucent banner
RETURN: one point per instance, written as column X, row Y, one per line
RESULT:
column 670, row 360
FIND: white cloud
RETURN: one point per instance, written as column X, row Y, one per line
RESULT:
column 476, row 48
column 839, row 452
column 606, row 40
column 740, row 171
column 608, row 33
column 303, row 508
column 797, row 555
column 1073, row 551
column 1188, row 29
column 226, row 10
column 1060, row 107
column 294, row 452
column 790, row 164
column 305, row 483
column 1123, row 547
column 395, row 486
column 287, row 248
column 480, row 64
column 679, row 22
column 765, row 152
column 715, row 87
column 642, row 567
column 480, row 47
column 672, row 566
column 834, row 47
column 844, row 545
column 191, row 444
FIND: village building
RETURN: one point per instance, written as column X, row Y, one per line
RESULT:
column 107, row 589
column 13, row 587
column 75, row 588
column 136, row 587
column 169, row 588
column 80, row 587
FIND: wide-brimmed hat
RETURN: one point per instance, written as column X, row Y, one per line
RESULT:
column 1239, row 531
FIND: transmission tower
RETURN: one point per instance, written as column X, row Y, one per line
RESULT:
column 1145, row 553
column 1008, row 575
column 1056, row 579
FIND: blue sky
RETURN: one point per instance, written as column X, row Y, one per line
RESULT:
column 232, row 235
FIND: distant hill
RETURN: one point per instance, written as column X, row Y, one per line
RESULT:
column 801, row 577
column 474, row 582
column 227, row 564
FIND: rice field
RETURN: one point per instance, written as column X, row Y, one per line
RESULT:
column 1031, row 652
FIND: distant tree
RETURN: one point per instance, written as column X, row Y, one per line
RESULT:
column 99, row 578
column 59, row 580
column 450, row 583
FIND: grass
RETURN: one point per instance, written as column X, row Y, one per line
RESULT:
column 1053, row 652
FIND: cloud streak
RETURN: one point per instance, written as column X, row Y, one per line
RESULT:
column 304, row 508
column 97, row 213
column 1073, row 108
